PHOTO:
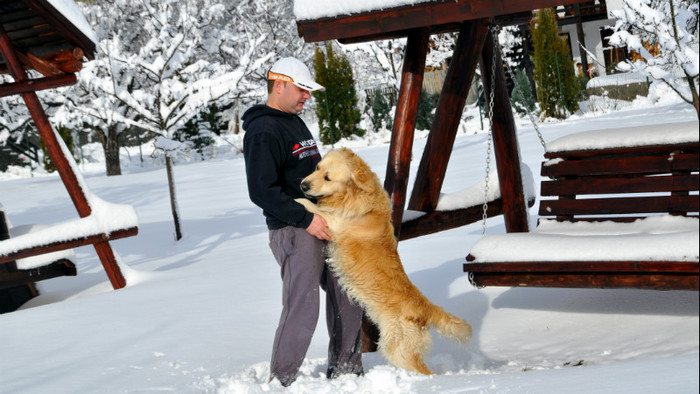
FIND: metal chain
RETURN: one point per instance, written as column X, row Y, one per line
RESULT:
column 494, row 32
column 529, row 113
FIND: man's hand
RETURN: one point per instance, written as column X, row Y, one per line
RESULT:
column 319, row 228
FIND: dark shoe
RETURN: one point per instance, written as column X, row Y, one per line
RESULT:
column 285, row 382
column 336, row 371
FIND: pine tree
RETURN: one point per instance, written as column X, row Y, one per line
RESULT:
column 426, row 108
column 522, row 99
column 67, row 136
column 379, row 110
column 557, row 90
column 336, row 107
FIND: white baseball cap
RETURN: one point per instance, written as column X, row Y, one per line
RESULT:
column 289, row 69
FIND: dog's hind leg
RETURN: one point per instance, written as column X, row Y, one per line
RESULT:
column 404, row 345
column 417, row 364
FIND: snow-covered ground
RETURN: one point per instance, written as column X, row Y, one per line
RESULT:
column 199, row 314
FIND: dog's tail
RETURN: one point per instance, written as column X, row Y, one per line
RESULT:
column 450, row 326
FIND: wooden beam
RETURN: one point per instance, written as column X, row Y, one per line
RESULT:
column 369, row 25
column 620, row 184
column 68, row 244
column 587, row 281
column 68, row 61
column 43, row 67
column 625, row 150
column 62, row 62
column 638, row 266
column 33, row 85
column 522, row 18
column 437, row 221
column 652, row 164
column 505, row 140
column 448, row 114
column 621, row 205
column 399, row 161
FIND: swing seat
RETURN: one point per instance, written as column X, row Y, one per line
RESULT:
column 623, row 216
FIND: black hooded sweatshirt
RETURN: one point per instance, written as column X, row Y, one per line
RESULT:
column 279, row 152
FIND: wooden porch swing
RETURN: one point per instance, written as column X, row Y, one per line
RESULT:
column 613, row 216
column 34, row 35
column 475, row 45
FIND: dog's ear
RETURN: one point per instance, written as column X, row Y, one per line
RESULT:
column 362, row 176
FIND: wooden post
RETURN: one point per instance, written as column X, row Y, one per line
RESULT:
column 63, row 166
column 397, row 168
column 57, row 81
column 448, row 114
column 504, row 140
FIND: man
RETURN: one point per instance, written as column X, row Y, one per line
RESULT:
column 279, row 152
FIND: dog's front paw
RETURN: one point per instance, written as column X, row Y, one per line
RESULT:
column 311, row 207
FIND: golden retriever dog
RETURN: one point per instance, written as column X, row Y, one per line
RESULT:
column 363, row 255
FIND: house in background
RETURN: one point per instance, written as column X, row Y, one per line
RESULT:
column 590, row 24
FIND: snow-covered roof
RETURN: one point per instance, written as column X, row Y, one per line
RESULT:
column 317, row 9
column 75, row 15
column 370, row 20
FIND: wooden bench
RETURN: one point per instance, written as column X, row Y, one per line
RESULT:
column 17, row 283
column 32, row 253
column 621, row 217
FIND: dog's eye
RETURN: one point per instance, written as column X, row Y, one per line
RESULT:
column 327, row 178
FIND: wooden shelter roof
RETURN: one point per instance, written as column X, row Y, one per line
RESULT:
column 35, row 34
column 439, row 16
column 38, row 30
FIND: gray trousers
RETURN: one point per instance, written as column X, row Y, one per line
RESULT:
column 303, row 269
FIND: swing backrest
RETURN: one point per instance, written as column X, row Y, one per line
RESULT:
column 621, row 184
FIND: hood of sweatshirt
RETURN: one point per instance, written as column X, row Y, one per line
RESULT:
column 259, row 110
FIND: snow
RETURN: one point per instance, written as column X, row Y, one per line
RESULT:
column 199, row 315
column 617, row 79
column 42, row 259
column 311, row 9
column 653, row 238
column 475, row 195
column 652, row 134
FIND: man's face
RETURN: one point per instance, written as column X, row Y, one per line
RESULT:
column 292, row 98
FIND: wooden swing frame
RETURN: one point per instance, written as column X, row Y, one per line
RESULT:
column 474, row 45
